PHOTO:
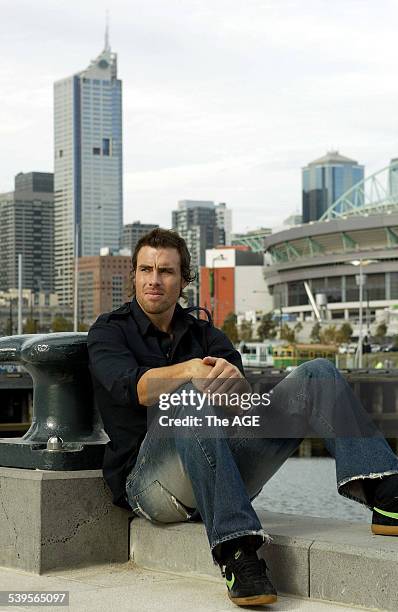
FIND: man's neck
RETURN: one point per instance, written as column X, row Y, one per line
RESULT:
column 163, row 320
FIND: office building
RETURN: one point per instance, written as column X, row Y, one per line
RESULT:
column 325, row 180
column 27, row 228
column 88, row 166
column 196, row 221
column 104, row 284
column 224, row 223
column 132, row 232
column 232, row 281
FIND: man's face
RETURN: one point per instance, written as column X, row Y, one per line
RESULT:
column 158, row 280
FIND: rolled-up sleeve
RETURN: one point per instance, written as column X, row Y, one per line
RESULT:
column 113, row 364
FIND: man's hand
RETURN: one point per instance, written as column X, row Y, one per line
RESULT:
column 199, row 372
column 223, row 377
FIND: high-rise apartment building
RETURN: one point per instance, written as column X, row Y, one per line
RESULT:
column 27, row 227
column 325, row 180
column 197, row 222
column 88, row 166
column 132, row 232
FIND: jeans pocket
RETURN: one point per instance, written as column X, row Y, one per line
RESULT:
column 156, row 503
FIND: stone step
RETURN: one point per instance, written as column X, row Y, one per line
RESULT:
column 330, row 560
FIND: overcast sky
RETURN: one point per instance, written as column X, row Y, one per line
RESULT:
column 223, row 100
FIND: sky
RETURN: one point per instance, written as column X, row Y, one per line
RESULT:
column 223, row 100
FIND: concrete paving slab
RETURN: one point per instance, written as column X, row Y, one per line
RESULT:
column 11, row 579
column 130, row 589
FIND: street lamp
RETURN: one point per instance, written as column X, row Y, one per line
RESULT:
column 360, row 263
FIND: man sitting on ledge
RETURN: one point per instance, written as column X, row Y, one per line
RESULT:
column 152, row 347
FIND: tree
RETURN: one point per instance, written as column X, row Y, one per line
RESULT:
column 344, row 334
column 298, row 327
column 287, row 333
column 328, row 335
column 230, row 328
column 82, row 327
column 267, row 328
column 315, row 333
column 60, row 324
column 381, row 330
column 245, row 331
column 30, row 326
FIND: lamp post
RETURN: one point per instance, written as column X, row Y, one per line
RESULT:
column 360, row 263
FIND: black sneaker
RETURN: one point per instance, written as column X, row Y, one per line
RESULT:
column 385, row 520
column 247, row 581
column 385, row 507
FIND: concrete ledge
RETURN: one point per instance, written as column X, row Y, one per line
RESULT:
column 53, row 520
column 330, row 560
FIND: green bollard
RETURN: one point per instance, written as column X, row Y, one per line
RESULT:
column 66, row 431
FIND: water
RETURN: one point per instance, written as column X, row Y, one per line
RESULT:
column 308, row 487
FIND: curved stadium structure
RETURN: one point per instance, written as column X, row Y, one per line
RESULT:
column 361, row 225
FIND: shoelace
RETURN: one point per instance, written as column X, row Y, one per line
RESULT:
column 249, row 566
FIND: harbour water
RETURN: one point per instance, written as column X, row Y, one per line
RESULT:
column 307, row 486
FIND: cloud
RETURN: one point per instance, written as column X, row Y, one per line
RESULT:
column 223, row 101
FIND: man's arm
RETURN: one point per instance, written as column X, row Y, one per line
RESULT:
column 168, row 378
column 114, row 366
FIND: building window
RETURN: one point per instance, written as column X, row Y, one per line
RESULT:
column 96, row 151
column 61, row 153
column 394, row 284
column 105, row 146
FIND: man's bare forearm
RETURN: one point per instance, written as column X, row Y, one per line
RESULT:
column 167, row 379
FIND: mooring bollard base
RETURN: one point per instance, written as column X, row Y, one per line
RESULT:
column 17, row 453
column 58, row 520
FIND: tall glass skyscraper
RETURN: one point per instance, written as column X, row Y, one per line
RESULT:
column 325, row 180
column 88, row 183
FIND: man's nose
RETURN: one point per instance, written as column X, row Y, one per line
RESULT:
column 154, row 278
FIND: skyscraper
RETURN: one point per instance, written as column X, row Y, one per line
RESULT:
column 325, row 180
column 27, row 227
column 132, row 232
column 88, row 166
column 200, row 226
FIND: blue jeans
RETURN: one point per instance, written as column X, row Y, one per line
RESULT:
column 179, row 478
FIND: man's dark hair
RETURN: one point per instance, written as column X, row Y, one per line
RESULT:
column 159, row 238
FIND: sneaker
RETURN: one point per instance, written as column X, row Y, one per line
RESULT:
column 385, row 507
column 385, row 520
column 247, row 581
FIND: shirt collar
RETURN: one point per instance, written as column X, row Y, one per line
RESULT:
column 179, row 322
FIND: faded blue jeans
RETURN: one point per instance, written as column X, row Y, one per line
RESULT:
column 181, row 478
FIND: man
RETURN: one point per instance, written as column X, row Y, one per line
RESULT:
column 151, row 348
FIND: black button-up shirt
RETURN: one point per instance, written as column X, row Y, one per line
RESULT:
column 122, row 346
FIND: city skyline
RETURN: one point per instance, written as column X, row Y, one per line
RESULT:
column 223, row 103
